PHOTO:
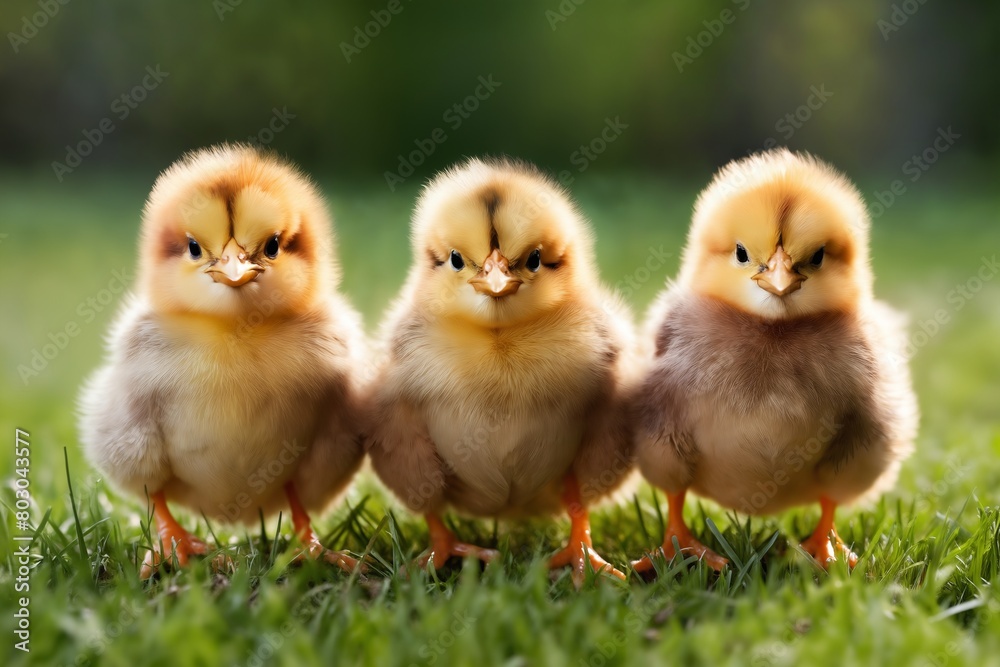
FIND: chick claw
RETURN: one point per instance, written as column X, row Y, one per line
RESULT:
column 313, row 549
column 688, row 545
column 824, row 548
column 825, row 543
column 180, row 545
column 444, row 546
column 577, row 555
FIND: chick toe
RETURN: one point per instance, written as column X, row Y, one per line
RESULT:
column 444, row 545
column 825, row 544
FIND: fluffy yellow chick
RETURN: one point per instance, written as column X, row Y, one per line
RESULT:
column 778, row 379
column 507, row 360
column 230, row 384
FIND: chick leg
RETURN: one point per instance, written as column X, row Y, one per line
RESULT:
column 824, row 544
column 311, row 545
column 676, row 528
column 580, row 550
column 444, row 545
column 176, row 542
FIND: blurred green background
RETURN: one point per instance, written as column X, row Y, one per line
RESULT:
column 632, row 105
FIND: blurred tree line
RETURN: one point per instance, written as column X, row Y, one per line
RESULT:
column 362, row 87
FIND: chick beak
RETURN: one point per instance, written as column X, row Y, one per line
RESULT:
column 495, row 279
column 232, row 267
column 780, row 278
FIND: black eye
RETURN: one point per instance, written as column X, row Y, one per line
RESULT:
column 534, row 260
column 457, row 262
column 271, row 247
column 741, row 254
column 817, row 259
column 194, row 249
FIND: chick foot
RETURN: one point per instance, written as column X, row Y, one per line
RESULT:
column 580, row 550
column 444, row 546
column 676, row 528
column 825, row 544
column 311, row 546
column 177, row 543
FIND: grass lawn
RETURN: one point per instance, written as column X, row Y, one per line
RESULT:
column 923, row 593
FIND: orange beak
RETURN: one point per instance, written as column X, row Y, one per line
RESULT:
column 232, row 267
column 780, row 278
column 495, row 279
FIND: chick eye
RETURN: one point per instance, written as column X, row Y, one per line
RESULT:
column 271, row 247
column 741, row 254
column 457, row 263
column 194, row 249
column 817, row 259
column 534, row 260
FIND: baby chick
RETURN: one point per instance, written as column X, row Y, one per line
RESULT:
column 506, row 363
column 231, row 380
column 778, row 379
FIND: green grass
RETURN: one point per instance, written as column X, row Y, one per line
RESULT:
column 924, row 592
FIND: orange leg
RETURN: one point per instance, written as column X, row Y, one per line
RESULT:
column 676, row 528
column 824, row 544
column 580, row 550
column 311, row 546
column 177, row 542
column 444, row 545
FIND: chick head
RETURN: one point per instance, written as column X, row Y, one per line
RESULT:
column 779, row 235
column 228, row 231
column 497, row 243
